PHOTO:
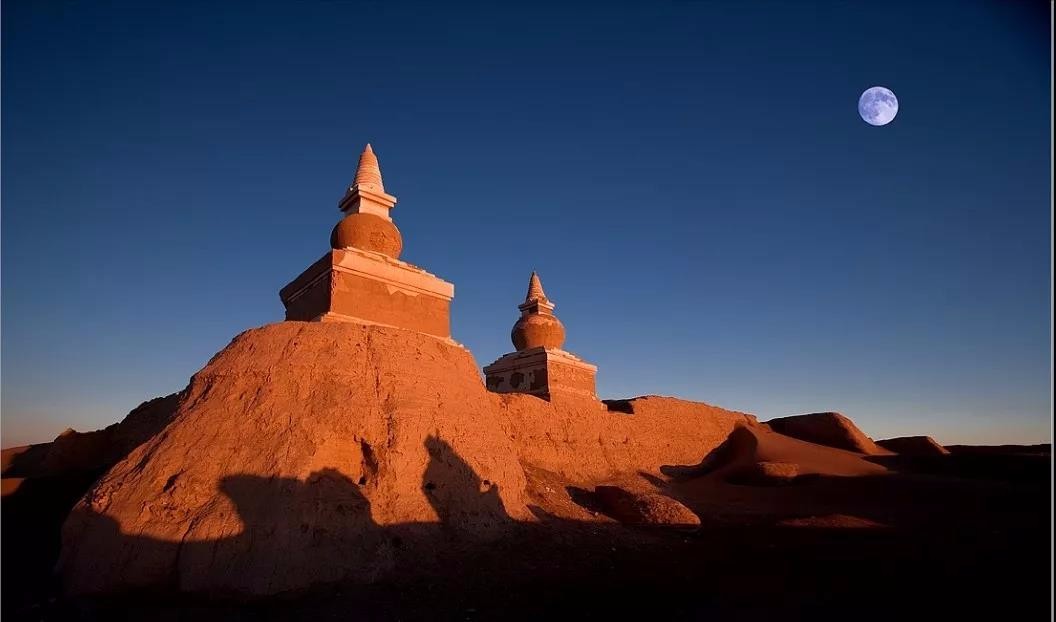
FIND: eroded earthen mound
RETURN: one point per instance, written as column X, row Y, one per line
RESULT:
column 90, row 451
column 756, row 455
column 309, row 453
column 914, row 446
column 636, row 508
column 830, row 429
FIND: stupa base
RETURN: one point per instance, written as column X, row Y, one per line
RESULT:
column 373, row 288
column 543, row 372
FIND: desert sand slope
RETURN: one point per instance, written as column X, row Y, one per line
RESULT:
column 308, row 453
column 831, row 429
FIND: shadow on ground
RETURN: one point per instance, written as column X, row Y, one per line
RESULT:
column 957, row 544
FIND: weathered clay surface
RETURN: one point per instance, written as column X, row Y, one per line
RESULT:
column 914, row 446
column 831, row 429
column 309, row 453
column 292, row 444
column 584, row 441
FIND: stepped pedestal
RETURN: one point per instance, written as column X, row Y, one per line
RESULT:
column 357, row 285
column 543, row 372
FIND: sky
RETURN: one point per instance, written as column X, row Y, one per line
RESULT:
column 691, row 180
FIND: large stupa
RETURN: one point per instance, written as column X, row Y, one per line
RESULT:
column 361, row 278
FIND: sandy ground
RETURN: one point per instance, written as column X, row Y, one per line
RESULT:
column 958, row 536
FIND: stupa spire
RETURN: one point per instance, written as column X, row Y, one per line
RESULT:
column 367, row 193
column 535, row 289
column 368, row 173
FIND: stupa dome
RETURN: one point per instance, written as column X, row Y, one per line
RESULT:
column 367, row 232
column 537, row 330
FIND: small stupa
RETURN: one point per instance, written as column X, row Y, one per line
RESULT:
column 539, row 366
column 361, row 279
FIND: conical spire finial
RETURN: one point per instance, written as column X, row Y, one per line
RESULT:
column 369, row 173
column 535, row 289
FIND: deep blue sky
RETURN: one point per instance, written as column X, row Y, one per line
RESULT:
column 691, row 180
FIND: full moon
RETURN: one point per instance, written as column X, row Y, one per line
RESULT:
column 878, row 106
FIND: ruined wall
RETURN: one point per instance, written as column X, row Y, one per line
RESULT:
column 584, row 440
column 308, row 453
